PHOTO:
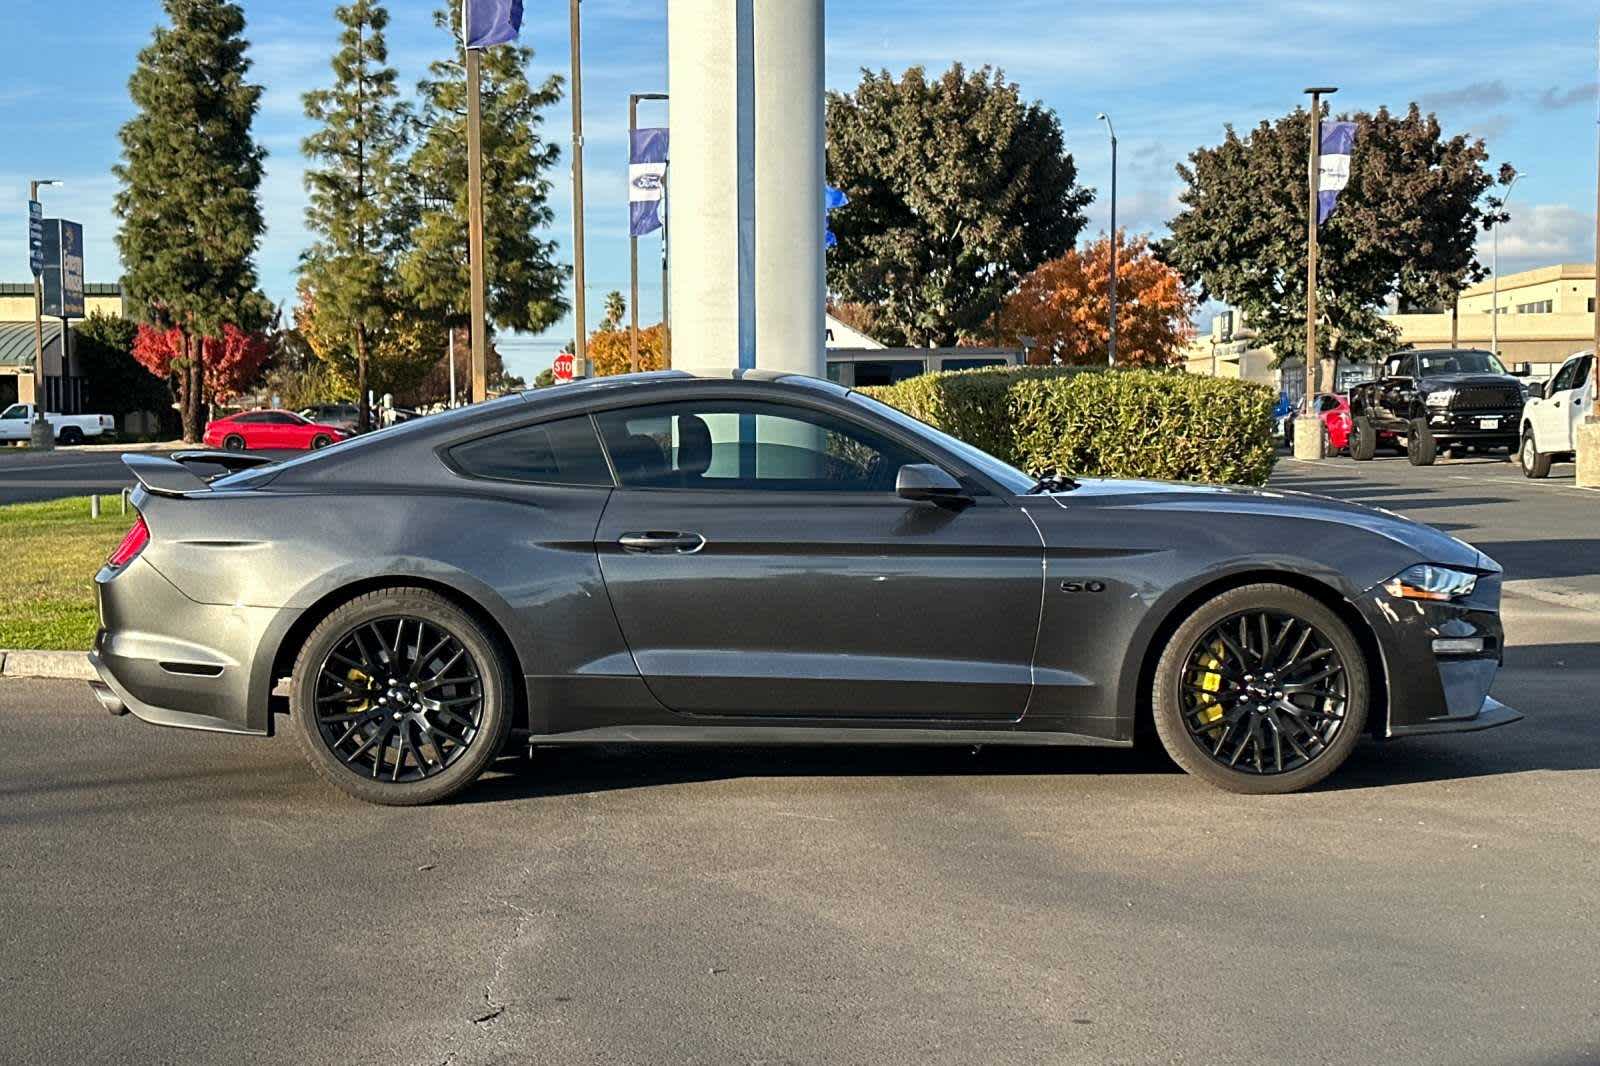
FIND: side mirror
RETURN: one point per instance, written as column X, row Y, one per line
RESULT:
column 1522, row 370
column 926, row 483
column 1535, row 390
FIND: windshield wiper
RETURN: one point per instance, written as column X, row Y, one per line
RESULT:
column 1053, row 482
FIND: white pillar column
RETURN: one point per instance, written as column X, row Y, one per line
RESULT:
column 745, row 188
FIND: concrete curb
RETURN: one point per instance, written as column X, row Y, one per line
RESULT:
column 60, row 665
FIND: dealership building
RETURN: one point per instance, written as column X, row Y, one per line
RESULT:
column 63, row 380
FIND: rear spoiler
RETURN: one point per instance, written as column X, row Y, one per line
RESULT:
column 172, row 476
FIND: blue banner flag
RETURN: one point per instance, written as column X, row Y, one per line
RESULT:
column 1334, row 172
column 647, row 180
column 831, row 198
column 486, row 22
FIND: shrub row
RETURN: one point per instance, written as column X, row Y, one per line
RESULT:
column 1101, row 423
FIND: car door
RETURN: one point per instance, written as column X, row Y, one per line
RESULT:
column 1579, row 396
column 1551, row 432
column 761, row 564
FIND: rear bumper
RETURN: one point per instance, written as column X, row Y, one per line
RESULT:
column 172, row 661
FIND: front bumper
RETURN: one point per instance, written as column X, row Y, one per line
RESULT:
column 1433, row 692
column 172, row 661
column 1486, row 426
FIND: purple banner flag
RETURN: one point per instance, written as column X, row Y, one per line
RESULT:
column 1338, row 138
column 647, row 180
column 487, row 22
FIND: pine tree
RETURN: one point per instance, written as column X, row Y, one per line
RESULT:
column 525, row 285
column 361, row 206
column 190, row 211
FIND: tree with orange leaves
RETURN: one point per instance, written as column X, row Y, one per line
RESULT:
column 1063, row 308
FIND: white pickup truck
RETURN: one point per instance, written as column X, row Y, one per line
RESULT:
column 16, row 423
column 1550, row 417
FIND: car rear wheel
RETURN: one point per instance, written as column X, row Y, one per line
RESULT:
column 400, row 697
column 1535, row 464
column 71, row 435
column 233, row 442
column 321, row 440
column 1421, row 447
column 1363, row 440
column 1261, row 690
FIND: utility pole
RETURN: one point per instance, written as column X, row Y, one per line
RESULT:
column 1494, row 268
column 1111, row 357
column 580, row 361
column 40, row 437
column 1587, row 432
column 1308, row 427
column 633, row 246
column 480, row 323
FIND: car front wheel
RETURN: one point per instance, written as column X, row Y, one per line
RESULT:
column 1262, row 690
column 1363, row 440
column 1535, row 464
column 1421, row 447
column 400, row 697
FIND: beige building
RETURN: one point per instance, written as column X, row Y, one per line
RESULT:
column 63, row 385
column 1545, row 314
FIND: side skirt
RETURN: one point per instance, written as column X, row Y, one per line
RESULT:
column 761, row 734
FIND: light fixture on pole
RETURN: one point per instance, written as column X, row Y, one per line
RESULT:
column 1494, row 267
column 1111, row 355
column 40, row 436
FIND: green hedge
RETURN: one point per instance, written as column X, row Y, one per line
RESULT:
column 1101, row 423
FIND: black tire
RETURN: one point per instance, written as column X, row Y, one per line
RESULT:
column 70, row 435
column 457, row 769
column 320, row 441
column 1534, row 463
column 233, row 442
column 1363, row 440
column 1186, row 748
column 1421, row 447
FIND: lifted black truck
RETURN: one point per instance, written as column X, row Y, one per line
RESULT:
column 1454, row 398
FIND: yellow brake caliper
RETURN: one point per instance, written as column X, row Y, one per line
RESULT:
column 1211, row 682
column 357, row 679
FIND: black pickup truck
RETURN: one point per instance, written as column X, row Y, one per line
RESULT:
column 1454, row 398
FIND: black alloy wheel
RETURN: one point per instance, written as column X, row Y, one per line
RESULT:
column 1262, row 690
column 1421, row 447
column 401, row 697
column 233, row 442
column 398, row 699
column 320, row 441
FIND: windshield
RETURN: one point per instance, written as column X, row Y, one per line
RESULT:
column 1014, row 480
column 1460, row 363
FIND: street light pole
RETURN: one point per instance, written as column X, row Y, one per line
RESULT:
column 580, row 361
column 40, row 436
column 1494, row 268
column 1308, row 427
column 1111, row 356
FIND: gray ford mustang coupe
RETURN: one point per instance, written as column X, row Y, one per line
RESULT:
column 769, row 558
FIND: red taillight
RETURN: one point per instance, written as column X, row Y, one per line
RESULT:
column 132, row 544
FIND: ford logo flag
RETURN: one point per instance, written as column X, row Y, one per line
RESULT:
column 647, row 180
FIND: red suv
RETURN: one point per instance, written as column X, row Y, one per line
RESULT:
column 270, row 429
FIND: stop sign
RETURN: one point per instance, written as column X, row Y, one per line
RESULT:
column 563, row 367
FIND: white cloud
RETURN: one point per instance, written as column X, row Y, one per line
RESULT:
column 1541, row 235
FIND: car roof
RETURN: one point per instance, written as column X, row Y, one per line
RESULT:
column 675, row 380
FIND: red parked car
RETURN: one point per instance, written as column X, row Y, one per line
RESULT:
column 270, row 429
column 1335, row 413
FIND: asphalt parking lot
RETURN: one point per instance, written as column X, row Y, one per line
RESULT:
column 181, row 897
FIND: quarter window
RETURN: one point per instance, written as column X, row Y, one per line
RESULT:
column 749, row 446
column 565, row 452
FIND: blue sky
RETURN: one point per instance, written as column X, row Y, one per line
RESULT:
column 1171, row 74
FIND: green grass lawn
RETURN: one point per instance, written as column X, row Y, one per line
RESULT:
column 49, row 553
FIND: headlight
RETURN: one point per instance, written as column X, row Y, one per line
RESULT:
column 1425, row 581
column 1441, row 398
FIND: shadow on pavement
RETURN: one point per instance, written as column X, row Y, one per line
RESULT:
column 1545, row 558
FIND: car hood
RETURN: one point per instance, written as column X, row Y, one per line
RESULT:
column 1430, row 544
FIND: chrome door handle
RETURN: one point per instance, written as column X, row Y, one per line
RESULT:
column 654, row 541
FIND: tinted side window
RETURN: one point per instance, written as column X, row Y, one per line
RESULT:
column 566, row 452
column 749, row 446
column 1565, row 377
